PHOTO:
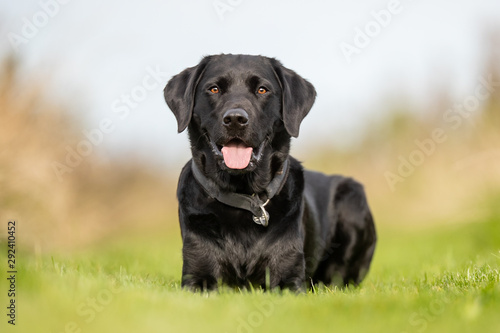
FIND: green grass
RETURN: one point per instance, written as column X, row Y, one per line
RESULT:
column 441, row 280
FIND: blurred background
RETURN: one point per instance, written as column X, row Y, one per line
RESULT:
column 408, row 103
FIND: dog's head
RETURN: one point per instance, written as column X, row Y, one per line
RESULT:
column 239, row 108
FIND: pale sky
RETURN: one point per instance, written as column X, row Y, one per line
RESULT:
column 94, row 54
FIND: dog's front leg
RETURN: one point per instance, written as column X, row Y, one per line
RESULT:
column 199, row 269
column 290, row 271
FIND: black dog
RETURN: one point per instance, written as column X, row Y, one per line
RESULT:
column 249, row 213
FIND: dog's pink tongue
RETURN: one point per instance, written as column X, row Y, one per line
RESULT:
column 236, row 155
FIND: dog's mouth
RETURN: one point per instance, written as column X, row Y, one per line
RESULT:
column 236, row 154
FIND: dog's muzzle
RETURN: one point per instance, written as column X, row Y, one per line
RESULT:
column 236, row 154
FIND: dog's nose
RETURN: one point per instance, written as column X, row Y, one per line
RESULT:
column 235, row 118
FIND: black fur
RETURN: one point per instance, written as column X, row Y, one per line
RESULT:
column 320, row 228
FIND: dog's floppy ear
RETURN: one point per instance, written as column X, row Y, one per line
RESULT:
column 298, row 96
column 179, row 93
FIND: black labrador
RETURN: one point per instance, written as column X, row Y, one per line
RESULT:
column 249, row 214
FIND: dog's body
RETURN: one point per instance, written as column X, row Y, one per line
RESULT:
column 249, row 213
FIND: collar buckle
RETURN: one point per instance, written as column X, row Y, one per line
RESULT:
column 263, row 220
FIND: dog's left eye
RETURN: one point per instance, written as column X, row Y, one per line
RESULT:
column 261, row 90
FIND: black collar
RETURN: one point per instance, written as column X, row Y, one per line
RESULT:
column 253, row 203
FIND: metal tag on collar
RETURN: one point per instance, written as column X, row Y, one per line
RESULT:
column 264, row 218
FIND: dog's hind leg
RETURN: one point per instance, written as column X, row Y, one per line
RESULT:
column 353, row 237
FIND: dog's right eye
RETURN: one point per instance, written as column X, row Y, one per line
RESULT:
column 262, row 90
column 214, row 90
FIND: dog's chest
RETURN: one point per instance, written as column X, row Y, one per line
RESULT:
column 245, row 258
